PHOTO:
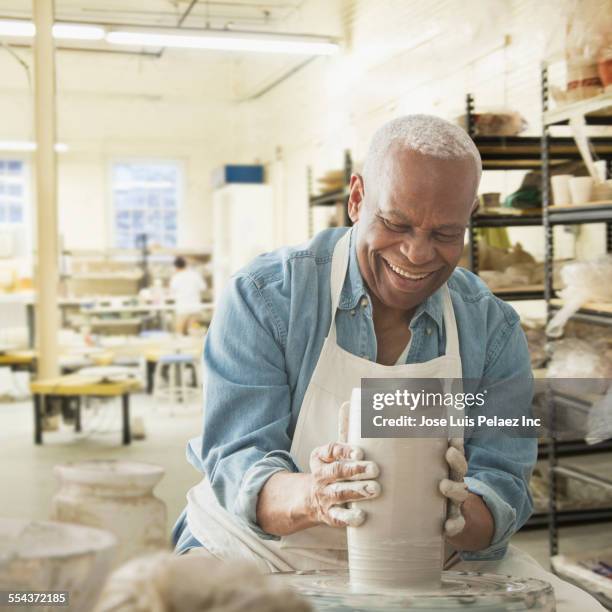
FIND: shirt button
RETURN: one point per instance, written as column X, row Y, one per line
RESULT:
column 364, row 302
column 428, row 331
column 353, row 312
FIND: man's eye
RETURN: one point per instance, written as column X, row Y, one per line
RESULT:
column 448, row 237
column 394, row 227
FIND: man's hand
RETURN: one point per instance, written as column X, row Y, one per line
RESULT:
column 469, row 525
column 454, row 488
column 291, row 502
column 339, row 475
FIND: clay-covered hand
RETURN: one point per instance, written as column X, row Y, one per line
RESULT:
column 454, row 488
column 340, row 475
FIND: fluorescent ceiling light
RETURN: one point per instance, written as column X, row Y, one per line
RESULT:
column 17, row 28
column 62, row 31
column 226, row 40
column 220, row 40
column 78, row 31
column 25, row 145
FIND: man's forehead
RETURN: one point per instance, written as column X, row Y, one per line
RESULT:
column 401, row 164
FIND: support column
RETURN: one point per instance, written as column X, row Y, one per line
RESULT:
column 47, row 314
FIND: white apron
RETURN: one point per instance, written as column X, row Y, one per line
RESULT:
column 337, row 372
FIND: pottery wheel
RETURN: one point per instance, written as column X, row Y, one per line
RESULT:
column 330, row 591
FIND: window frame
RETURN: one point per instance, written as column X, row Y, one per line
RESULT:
column 26, row 220
column 28, row 224
column 112, row 210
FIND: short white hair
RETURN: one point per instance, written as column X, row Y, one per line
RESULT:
column 425, row 134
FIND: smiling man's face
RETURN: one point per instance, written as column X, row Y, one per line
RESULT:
column 411, row 224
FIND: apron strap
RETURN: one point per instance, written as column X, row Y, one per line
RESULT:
column 450, row 324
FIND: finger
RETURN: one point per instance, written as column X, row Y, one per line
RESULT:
column 346, row 470
column 335, row 451
column 341, row 492
column 457, row 463
column 454, row 526
column 455, row 491
column 343, row 423
column 346, row 517
column 457, row 443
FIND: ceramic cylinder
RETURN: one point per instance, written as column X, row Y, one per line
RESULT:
column 581, row 188
column 560, row 189
column 400, row 545
column 116, row 496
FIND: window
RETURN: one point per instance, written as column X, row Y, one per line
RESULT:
column 12, row 192
column 146, row 200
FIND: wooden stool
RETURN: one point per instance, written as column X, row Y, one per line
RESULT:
column 71, row 387
column 176, row 366
column 153, row 356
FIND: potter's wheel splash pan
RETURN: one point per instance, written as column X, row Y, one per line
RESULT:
column 330, row 591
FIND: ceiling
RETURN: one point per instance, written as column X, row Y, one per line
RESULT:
column 213, row 75
column 220, row 13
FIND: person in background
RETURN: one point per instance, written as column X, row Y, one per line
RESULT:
column 186, row 288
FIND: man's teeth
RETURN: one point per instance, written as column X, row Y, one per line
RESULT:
column 406, row 274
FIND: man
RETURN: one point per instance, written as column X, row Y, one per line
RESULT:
column 186, row 287
column 298, row 328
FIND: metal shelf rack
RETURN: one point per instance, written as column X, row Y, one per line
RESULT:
column 505, row 153
column 330, row 198
column 597, row 111
column 525, row 153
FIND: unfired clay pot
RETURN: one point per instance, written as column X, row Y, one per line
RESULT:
column 117, row 496
column 46, row 556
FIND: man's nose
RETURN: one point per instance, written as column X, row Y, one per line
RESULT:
column 419, row 250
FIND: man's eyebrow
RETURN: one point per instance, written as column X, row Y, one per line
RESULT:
column 394, row 212
column 399, row 215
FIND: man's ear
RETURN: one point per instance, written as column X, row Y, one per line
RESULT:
column 356, row 197
column 474, row 206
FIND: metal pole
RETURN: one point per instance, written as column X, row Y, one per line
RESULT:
column 47, row 315
column 553, row 522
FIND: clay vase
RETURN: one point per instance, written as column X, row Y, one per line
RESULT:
column 44, row 556
column 116, row 496
column 400, row 545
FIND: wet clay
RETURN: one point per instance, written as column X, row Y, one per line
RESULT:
column 400, row 544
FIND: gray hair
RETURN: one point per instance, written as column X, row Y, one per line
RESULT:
column 425, row 134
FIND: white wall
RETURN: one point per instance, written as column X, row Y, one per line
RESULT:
column 490, row 48
column 400, row 56
column 178, row 107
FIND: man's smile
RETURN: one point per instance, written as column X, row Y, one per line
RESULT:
column 413, row 276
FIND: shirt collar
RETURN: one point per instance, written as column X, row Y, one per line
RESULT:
column 354, row 289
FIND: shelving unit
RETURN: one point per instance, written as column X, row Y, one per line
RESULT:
column 597, row 111
column 508, row 153
column 525, row 153
column 336, row 197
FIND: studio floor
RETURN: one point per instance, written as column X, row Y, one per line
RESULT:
column 28, row 482
column 26, row 470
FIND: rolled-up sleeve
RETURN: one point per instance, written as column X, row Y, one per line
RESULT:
column 247, row 403
column 500, row 465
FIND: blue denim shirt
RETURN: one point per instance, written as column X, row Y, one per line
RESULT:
column 262, row 348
